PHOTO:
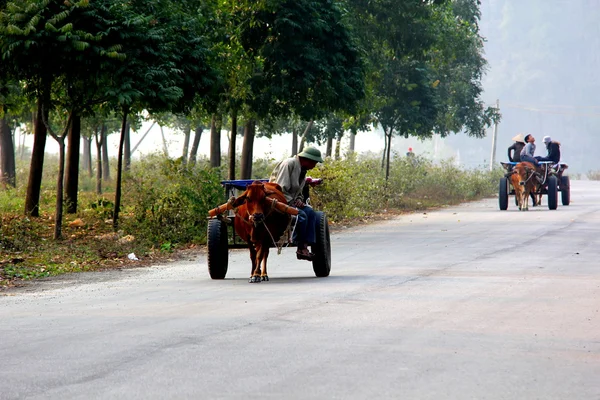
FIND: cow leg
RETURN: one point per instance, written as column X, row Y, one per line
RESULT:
column 255, row 277
column 265, row 256
column 526, row 200
column 253, row 257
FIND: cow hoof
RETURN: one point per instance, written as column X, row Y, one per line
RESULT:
column 254, row 279
column 265, row 278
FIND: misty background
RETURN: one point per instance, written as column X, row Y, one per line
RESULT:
column 543, row 58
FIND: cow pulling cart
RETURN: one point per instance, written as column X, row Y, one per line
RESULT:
column 222, row 236
column 551, row 180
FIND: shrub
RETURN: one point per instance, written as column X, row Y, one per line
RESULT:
column 357, row 187
column 352, row 188
column 168, row 202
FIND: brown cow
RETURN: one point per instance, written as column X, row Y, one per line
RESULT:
column 262, row 217
column 524, row 181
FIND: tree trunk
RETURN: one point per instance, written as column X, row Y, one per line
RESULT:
column 303, row 140
column 294, row 142
column 22, row 149
column 99, row 137
column 87, row 154
column 389, row 148
column 164, row 142
column 72, row 170
column 329, row 146
column 247, row 149
column 186, row 143
column 105, row 162
column 8, row 174
column 58, row 216
column 232, row 140
column 127, row 146
column 384, row 148
column 32, row 199
column 194, row 152
column 338, row 145
column 352, row 141
column 215, row 142
column 142, row 139
column 119, row 171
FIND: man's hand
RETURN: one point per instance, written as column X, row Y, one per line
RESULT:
column 299, row 203
column 314, row 181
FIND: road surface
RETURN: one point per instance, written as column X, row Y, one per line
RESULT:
column 468, row 302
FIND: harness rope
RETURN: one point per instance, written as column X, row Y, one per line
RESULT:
column 530, row 176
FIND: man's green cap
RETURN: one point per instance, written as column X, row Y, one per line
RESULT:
column 312, row 153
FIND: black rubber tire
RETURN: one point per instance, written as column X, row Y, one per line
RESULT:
column 218, row 249
column 552, row 193
column 322, row 249
column 565, row 190
column 503, row 194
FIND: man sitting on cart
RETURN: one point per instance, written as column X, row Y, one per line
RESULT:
column 553, row 148
column 514, row 151
column 527, row 154
column 290, row 174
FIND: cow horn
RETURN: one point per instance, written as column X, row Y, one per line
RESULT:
column 222, row 208
column 284, row 208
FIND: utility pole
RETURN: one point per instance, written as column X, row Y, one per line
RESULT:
column 494, row 139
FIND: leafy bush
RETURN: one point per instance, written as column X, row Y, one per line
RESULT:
column 355, row 188
column 168, row 202
column 352, row 188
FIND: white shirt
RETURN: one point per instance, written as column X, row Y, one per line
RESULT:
column 289, row 175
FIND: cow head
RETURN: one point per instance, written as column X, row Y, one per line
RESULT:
column 525, row 172
column 254, row 200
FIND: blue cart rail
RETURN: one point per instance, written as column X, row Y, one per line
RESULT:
column 237, row 184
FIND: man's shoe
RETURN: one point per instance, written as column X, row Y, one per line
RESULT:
column 304, row 254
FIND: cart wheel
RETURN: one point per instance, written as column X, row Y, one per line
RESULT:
column 503, row 193
column 552, row 193
column 565, row 190
column 322, row 249
column 218, row 249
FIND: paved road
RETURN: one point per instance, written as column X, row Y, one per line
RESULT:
column 463, row 303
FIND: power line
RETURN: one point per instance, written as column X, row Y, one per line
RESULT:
column 557, row 112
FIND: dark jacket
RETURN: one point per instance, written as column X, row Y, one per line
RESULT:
column 516, row 148
column 553, row 152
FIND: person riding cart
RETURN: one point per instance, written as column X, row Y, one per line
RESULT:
column 527, row 154
column 553, row 148
column 514, row 151
column 290, row 174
